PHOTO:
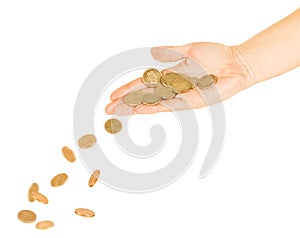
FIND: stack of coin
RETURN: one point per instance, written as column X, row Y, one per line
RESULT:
column 167, row 86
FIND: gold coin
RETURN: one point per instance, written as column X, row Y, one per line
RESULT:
column 159, row 86
column 151, row 99
column 84, row 212
column 94, row 178
column 113, row 126
column 44, row 225
column 40, row 197
column 59, row 180
column 68, row 154
column 134, row 99
column 26, row 216
column 167, row 79
column 33, row 188
column 87, row 141
column 151, row 77
column 180, row 85
column 207, row 81
column 164, row 92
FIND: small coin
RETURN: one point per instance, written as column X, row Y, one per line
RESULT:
column 59, row 180
column 164, row 92
column 40, row 197
column 84, row 212
column 180, row 85
column 134, row 99
column 87, row 141
column 44, row 225
column 207, row 81
column 151, row 77
column 167, row 79
column 33, row 188
column 113, row 126
column 151, row 99
column 68, row 154
column 26, row 216
column 159, row 86
column 94, row 178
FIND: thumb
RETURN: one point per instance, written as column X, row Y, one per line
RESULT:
column 169, row 53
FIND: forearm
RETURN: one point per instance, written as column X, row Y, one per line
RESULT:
column 275, row 50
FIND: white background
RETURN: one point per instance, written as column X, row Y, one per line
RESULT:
column 46, row 52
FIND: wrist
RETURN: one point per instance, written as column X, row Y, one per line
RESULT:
column 241, row 54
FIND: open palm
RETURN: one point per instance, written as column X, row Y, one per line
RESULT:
column 196, row 59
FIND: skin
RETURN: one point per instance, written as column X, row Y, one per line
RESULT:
column 270, row 53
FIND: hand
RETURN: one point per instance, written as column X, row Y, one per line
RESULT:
column 226, row 62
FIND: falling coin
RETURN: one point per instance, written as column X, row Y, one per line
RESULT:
column 40, row 197
column 134, row 99
column 33, row 188
column 44, row 225
column 84, row 212
column 68, row 154
column 87, row 141
column 59, row 180
column 207, row 81
column 151, row 77
column 94, row 178
column 113, row 126
column 26, row 216
column 151, row 99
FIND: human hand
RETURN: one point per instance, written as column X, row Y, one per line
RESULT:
column 197, row 59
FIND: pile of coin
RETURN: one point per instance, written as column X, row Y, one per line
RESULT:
column 28, row 216
column 167, row 86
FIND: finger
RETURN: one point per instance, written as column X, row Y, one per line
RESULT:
column 144, row 109
column 123, row 90
column 110, row 108
column 170, row 53
column 175, row 104
column 120, row 108
column 187, row 101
